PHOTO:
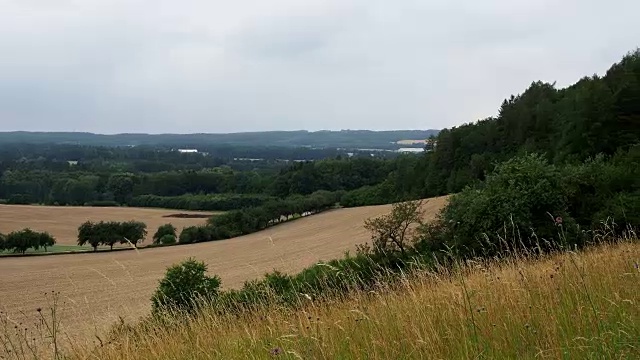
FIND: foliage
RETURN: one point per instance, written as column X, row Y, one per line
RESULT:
column 164, row 230
column 168, row 239
column 21, row 241
column 395, row 231
column 211, row 202
column 111, row 233
column 46, row 240
column 183, row 286
column 527, row 203
column 194, row 234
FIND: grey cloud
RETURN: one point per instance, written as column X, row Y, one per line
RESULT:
column 201, row 66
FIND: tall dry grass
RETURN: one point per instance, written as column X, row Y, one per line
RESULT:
column 569, row 305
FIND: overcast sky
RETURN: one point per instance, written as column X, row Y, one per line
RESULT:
column 112, row 66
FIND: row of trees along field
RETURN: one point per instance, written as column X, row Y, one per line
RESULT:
column 23, row 240
column 111, row 233
column 224, row 226
column 249, row 220
column 232, row 189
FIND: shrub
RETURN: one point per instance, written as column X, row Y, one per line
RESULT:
column 195, row 234
column 395, row 231
column 168, row 239
column 164, row 230
column 523, row 203
column 183, row 286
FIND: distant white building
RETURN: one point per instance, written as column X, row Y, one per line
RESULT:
column 410, row 150
column 72, row 162
column 188, row 151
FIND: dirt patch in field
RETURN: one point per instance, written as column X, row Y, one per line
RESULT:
column 188, row 216
column 62, row 221
column 99, row 288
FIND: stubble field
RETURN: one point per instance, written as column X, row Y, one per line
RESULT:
column 98, row 289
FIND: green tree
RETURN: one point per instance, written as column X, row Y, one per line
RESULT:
column 167, row 239
column 195, row 234
column 88, row 234
column 164, row 230
column 396, row 231
column 184, row 286
column 21, row 241
column 522, row 203
column 133, row 232
column 46, row 240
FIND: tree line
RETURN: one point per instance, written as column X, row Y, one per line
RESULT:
column 220, row 188
column 249, row 220
column 110, row 233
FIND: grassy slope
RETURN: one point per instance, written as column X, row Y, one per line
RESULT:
column 578, row 306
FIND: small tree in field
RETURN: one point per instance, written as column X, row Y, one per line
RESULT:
column 164, row 230
column 108, row 233
column 45, row 240
column 396, row 231
column 183, row 286
column 21, row 241
column 87, row 234
column 133, row 232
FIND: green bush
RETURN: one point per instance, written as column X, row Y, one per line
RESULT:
column 164, row 230
column 168, row 239
column 184, row 286
column 528, row 203
column 523, row 203
column 195, row 234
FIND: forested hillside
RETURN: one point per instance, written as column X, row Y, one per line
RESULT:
column 596, row 115
column 324, row 139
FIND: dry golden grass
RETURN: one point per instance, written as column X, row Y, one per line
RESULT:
column 572, row 306
column 62, row 221
column 97, row 289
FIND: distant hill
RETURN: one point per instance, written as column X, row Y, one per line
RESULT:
column 343, row 138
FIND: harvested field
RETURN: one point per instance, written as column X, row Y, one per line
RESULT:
column 62, row 221
column 99, row 288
